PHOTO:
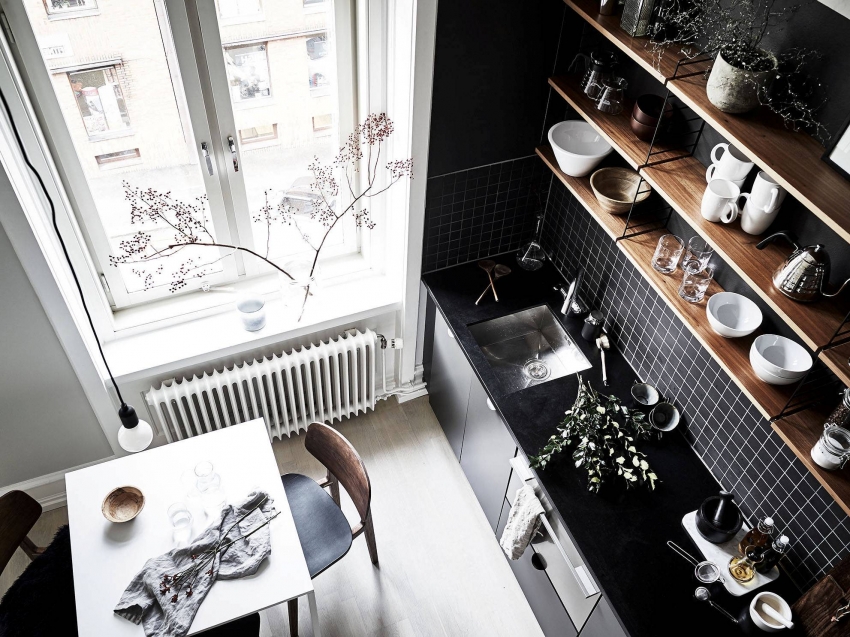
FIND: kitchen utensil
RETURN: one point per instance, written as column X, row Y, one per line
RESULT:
column 697, row 254
column 755, row 220
column 603, row 343
column 732, row 315
column 694, row 284
column 577, row 147
column 804, row 275
column 770, row 612
column 487, row 265
column 612, row 96
column 718, row 518
column 732, row 164
column 706, row 571
column 832, row 450
column 766, row 193
column 531, row 256
column 781, row 356
column 648, row 107
column 600, row 66
column 703, row 595
column 499, row 271
column 617, row 188
column 667, row 253
column 664, row 417
column 719, row 201
column 645, row 396
column 123, row 504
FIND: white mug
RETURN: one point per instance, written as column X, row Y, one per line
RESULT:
column 754, row 219
column 766, row 193
column 720, row 201
column 712, row 173
column 732, row 164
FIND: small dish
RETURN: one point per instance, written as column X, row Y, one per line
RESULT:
column 781, row 356
column 123, row 504
column 732, row 315
column 761, row 619
column 766, row 376
column 617, row 188
column 577, row 147
column 664, row 417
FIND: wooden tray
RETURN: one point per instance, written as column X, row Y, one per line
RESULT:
column 720, row 554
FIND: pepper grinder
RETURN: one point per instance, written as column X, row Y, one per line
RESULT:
column 592, row 328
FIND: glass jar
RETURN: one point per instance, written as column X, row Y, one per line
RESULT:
column 832, row 450
column 840, row 416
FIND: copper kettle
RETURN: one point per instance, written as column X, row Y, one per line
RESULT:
column 805, row 274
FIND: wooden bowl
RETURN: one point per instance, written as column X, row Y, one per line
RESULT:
column 615, row 189
column 123, row 504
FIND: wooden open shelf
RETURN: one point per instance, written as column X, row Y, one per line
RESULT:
column 793, row 159
column 733, row 355
column 837, row 360
column 682, row 183
column 800, row 432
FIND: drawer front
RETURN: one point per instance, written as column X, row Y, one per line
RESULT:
column 448, row 387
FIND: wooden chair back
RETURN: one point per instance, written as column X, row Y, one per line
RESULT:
column 18, row 514
column 343, row 462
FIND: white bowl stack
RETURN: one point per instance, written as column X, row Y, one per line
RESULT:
column 732, row 315
column 778, row 360
column 577, row 147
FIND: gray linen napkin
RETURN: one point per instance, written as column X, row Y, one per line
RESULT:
column 142, row 601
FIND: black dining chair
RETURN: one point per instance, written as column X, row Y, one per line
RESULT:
column 323, row 530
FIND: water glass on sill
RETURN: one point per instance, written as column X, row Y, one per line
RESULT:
column 667, row 253
column 695, row 283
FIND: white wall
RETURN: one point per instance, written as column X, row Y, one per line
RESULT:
column 46, row 422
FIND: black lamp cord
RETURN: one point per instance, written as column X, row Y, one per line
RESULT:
column 61, row 242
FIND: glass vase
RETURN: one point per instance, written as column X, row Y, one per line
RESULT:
column 297, row 289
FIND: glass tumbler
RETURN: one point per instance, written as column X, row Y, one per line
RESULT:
column 695, row 283
column 181, row 523
column 213, row 496
column 667, row 253
column 697, row 254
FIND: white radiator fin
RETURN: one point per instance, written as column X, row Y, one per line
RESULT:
column 323, row 383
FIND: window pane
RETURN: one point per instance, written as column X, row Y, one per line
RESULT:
column 128, row 122
column 293, row 66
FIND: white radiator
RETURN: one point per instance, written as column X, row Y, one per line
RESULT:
column 323, row 383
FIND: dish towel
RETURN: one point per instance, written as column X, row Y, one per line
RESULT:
column 523, row 521
column 165, row 611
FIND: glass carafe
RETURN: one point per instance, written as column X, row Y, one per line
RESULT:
column 599, row 72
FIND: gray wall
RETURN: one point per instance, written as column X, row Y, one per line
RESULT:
column 46, row 422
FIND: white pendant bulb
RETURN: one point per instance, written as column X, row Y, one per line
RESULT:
column 135, row 434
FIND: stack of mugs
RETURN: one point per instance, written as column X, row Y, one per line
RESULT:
column 721, row 201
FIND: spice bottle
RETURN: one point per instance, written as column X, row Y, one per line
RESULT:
column 743, row 567
column 840, row 416
column 758, row 539
column 773, row 554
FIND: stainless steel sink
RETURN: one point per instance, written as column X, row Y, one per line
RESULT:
column 528, row 348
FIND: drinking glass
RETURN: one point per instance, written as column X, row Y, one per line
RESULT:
column 697, row 254
column 213, row 495
column 667, row 253
column 695, row 283
column 181, row 523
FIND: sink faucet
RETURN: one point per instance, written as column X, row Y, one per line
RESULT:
column 573, row 305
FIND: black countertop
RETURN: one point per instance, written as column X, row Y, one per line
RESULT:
column 621, row 534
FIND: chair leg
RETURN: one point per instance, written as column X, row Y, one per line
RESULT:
column 369, row 532
column 333, row 484
column 292, row 605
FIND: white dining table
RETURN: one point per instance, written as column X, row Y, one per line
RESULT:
column 108, row 555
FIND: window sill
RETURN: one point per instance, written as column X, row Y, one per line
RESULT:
column 102, row 137
column 165, row 350
column 70, row 15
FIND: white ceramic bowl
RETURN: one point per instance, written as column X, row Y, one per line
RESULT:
column 781, row 356
column 732, row 315
column 766, row 376
column 578, row 147
column 778, row 604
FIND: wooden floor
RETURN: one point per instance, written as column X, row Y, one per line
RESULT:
column 441, row 569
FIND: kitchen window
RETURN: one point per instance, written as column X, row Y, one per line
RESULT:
column 183, row 154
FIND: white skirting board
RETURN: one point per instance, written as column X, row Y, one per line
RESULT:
column 720, row 554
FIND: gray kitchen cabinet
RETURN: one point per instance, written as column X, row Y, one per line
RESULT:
column 448, row 386
column 487, row 450
column 603, row 622
column 530, row 572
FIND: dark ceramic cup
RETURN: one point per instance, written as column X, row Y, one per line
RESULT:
column 645, row 397
column 643, row 132
column 647, row 109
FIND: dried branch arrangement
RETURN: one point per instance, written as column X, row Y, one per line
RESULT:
column 357, row 168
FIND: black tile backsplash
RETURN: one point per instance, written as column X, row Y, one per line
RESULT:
column 480, row 212
column 726, row 430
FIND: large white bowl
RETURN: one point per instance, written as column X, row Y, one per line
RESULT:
column 732, row 315
column 781, row 356
column 766, row 376
column 578, row 147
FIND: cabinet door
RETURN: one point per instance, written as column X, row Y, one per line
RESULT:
column 487, row 450
column 544, row 601
column 603, row 622
column 448, row 387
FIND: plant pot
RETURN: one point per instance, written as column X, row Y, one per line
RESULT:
column 736, row 90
